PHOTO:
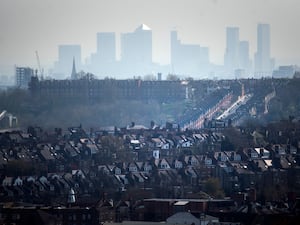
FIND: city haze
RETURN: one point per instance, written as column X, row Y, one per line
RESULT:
column 32, row 26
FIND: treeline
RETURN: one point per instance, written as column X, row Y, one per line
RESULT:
column 62, row 112
column 286, row 104
column 49, row 112
column 14, row 100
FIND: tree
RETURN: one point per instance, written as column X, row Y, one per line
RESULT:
column 149, row 77
column 226, row 145
column 19, row 168
column 213, row 188
column 173, row 77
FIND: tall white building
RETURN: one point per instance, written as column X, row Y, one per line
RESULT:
column 263, row 61
column 103, row 62
column 136, row 50
column 106, row 47
column 236, row 59
column 244, row 59
column 231, row 58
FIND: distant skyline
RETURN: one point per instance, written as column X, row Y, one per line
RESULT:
column 31, row 25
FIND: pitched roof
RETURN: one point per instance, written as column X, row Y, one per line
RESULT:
column 182, row 218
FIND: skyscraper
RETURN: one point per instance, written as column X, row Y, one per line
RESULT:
column 188, row 58
column 175, row 43
column 103, row 62
column 236, row 58
column 231, row 58
column 244, row 59
column 106, row 47
column 136, row 49
column 263, row 64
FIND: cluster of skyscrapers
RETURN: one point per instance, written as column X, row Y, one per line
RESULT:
column 237, row 58
column 186, row 59
column 136, row 55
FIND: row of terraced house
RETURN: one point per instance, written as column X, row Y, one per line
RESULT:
column 41, row 167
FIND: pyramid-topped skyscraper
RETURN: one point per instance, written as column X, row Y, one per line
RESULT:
column 136, row 48
column 142, row 27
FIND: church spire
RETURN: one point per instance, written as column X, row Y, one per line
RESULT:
column 73, row 74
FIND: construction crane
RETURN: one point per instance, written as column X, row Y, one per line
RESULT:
column 41, row 71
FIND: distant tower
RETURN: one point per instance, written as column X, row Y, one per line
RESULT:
column 231, row 58
column 106, row 47
column 136, row 49
column 74, row 74
column 23, row 76
column 263, row 61
column 244, row 59
column 187, row 58
column 175, row 50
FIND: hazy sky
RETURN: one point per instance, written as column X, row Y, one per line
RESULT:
column 30, row 25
